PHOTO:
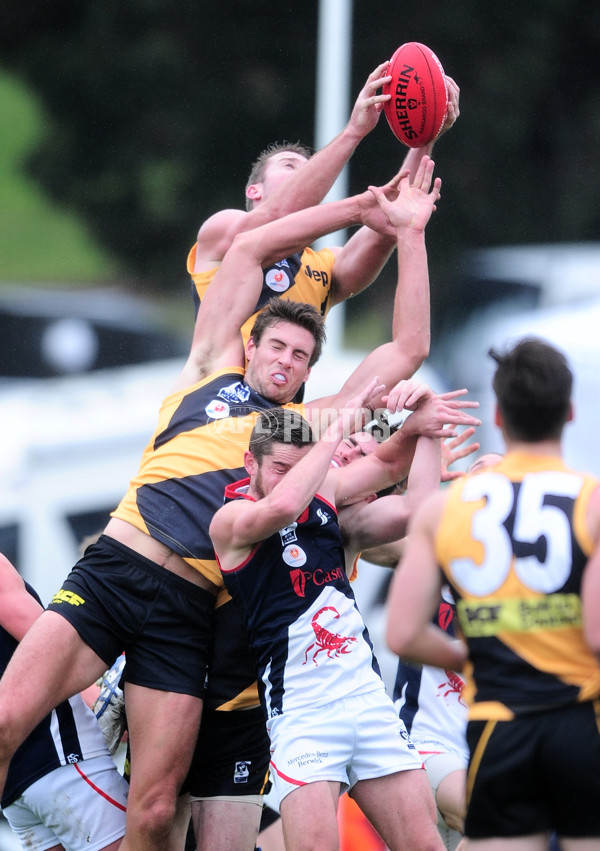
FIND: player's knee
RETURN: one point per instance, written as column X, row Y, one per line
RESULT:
column 154, row 816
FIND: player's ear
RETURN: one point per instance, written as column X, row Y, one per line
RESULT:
column 250, row 346
column 254, row 192
column 571, row 413
column 498, row 418
column 306, row 375
column 250, row 462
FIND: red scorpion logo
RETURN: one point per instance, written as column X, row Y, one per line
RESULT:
column 455, row 686
column 325, row 640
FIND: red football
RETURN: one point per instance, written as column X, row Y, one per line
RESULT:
column 417, row 109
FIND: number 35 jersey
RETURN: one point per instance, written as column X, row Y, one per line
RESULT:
column 513, row 543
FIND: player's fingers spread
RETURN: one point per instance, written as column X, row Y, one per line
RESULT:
column 379, row 71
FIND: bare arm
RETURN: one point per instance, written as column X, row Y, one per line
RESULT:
column 239, row 525
column 306, row 186
column 234, row 291
column 386, row 519
column 408, row 215
column 414, row 596
column 365, row 254
column 18, row 609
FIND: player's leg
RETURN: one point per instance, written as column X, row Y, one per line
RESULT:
column 162, row 732
column 227, row 779
column 447, row 776
column 309, row 817
column 230, row 825
column 401, row 808
column 181, row 823
column 50, row 664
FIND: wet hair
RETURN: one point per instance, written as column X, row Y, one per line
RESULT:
column 296, row 312
column 257, row 172
column 279, row 425
column 533, row 385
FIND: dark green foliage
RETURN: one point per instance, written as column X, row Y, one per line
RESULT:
column 156, row 110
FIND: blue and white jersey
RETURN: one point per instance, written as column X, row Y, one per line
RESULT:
column 305, row 630
column 429, row 700
column 69, row 734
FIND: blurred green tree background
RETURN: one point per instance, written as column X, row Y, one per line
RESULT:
column 153, row 112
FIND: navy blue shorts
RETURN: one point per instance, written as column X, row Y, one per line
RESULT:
column 537, row 773
column 117, row 600
column 232, row 754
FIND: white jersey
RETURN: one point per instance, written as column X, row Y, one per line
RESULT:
column 429, row 700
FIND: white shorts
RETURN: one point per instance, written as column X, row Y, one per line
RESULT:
column 77, row 806
column 352, row 739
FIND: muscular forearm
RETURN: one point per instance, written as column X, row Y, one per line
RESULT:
column 411, row 316
column 359, row 263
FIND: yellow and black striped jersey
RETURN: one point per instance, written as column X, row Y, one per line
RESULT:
column 513, row 544
column 304, row 277
column 197, row 449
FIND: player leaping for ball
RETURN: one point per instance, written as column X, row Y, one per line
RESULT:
column 286, row 178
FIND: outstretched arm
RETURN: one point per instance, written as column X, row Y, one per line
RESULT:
column 240, row 524
column 234, row 291
column 306, row 185
column 18, row 609
column 408, row 215
column 384, row 521
column 414, row 596
column 364, row 255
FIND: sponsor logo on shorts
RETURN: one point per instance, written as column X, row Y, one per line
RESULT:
column 64, row 596
column 294, row 555
column 217, row 410
column 308, row 758
column 241, row 772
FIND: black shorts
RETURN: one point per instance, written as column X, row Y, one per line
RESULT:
column 117, row 600
column 535, row 774
column 232, row 755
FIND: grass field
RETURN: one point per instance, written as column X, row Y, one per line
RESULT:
column 39, row 241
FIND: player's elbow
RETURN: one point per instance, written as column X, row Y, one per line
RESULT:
column 399, row 636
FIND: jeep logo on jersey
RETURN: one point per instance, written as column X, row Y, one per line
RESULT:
column 238, row 392
column 294, row 555
column 277, row 280
column 288, row 534
column 217, row 410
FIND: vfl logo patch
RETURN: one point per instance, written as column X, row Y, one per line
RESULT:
column 277, row 280
column 294, row 556
column 64, row 596
column 288, row 534
column 237, row 392
column 241, row 772
column 217, row 410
